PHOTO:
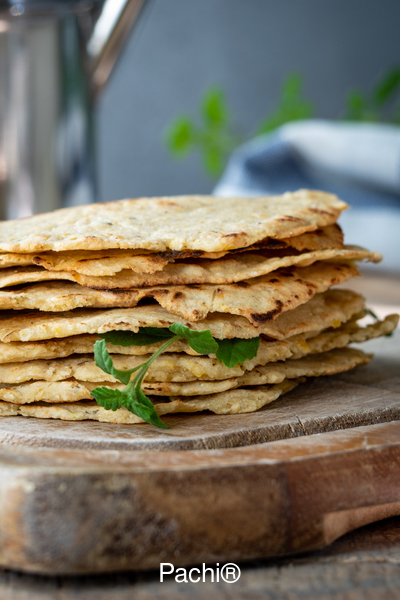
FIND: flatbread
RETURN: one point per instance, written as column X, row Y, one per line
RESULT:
column 102, row 266
column 176, row 223
column 45, row 391
column 314, row 365
column 167, row 367
column 328, row 363
column 17, row 352
column 73, row 390
column 241, row 267
column 258, row 300
column 238, row 401
column 108, row 262
column 319, row 239
column 89, row 263
column 60, row 296
column 329, row 309
column 13, row 259
column 348, row 333
column 180, row 367
column 347, row 306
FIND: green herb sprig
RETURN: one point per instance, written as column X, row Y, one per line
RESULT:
column 230, row 352
column 292, row 106
column 380, row 105
column 214, row 135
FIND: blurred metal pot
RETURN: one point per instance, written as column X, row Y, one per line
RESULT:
column 55, row 57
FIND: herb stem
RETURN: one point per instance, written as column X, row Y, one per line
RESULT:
column 138, row 379
column 230, row 352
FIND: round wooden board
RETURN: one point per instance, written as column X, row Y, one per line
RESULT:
column 365, row 396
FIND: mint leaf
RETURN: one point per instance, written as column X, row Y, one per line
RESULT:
column 132, row 397
column 235, row 351
column 104, row 361
column 201, row 341
column 136, row 402
column 142, row 406
column 108, row 398
column 145, row 336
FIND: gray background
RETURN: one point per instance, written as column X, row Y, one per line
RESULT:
column 181, row 47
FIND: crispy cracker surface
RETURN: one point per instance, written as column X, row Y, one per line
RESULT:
column 109, row 262
column 224, row 271
column 315, row 365
column 232, row 402
column 324, row 310
column 259, row 300
column 183, row 368
column 238, row 401
column 178, row 223
column 331, row 308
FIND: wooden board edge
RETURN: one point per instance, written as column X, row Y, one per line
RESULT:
column 258, row 503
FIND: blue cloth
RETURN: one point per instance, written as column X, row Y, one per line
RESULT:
column 359, row 162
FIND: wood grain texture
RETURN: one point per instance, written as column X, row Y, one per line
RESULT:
column 64, row 512
column 363, row 565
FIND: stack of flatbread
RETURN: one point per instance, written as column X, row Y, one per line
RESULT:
column 241, row 268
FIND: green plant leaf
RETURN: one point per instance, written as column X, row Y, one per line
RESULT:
column 396, row 115
column 213, row 160
column 104, row 361
column 291, row 105
column 136, row 402
column 234, row 351
column 270, row 124
column 132, row 397
column 292, row 87
column 181, row 136
column 108, row 398
column 214, row 138
column 144, row 337
column 387, row 87
column 214, row 108
column 355, row 106
column 201, row 341
column 359, row 108
column 141, row 405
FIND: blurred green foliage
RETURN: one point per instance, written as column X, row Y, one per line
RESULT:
column 291, row 106
column 380, row 105
column 215, row 135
